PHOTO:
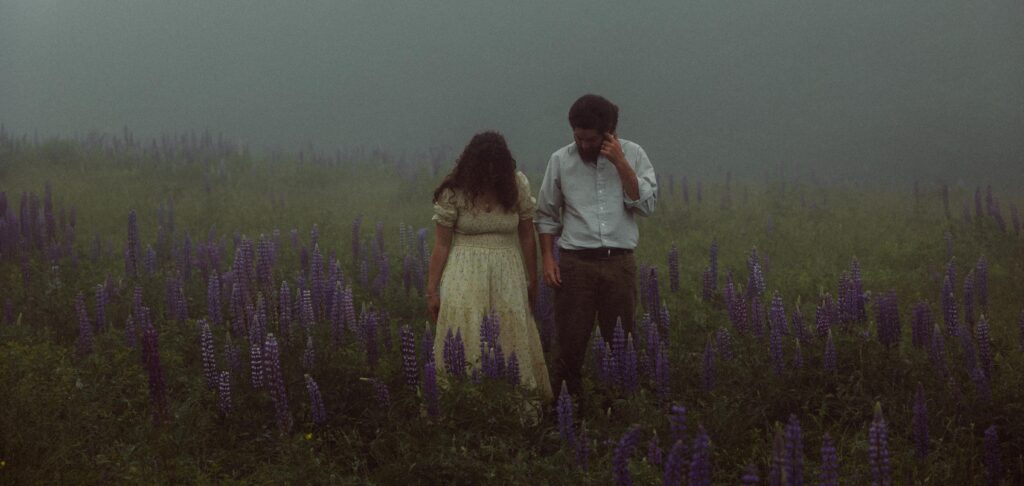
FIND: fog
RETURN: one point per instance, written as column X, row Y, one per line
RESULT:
column 850, row 90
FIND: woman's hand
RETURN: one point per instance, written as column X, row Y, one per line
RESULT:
column 433, row 305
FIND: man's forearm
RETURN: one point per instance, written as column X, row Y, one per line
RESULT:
column 547, row 245
column 630, row 185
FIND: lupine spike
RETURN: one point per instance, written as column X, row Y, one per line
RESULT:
column 775, row 345
column 831, row 364
column 794, row 452
column 275, row 377
column 224, row 393
column 920, row 422
column 829, row 475
column 430, row 391
column 256, row 364
column 511, row 370
column 937, row 352
column 675, row 465
column 984, row 341
column 621, row 456
column 316, row 402
column 565, row 415
column 708, row 371
column 409, row 365
column 583, row 448
column 700, row 464
column 878, row 449
column 209, row 360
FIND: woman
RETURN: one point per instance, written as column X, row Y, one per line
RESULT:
column 485, row 258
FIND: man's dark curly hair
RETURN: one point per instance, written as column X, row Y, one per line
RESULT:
column 486, row 166
column 593, row 112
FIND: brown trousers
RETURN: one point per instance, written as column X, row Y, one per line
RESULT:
column 603, row 289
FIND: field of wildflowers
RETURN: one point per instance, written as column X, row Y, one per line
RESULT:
column 179, row 310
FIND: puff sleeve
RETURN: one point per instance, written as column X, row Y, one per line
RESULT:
column 527, row 204
column 445, row 211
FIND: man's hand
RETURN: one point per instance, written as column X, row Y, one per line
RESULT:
column 552, row 276
column 611, row 149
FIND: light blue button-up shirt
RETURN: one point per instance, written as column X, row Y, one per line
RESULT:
column 585, row 203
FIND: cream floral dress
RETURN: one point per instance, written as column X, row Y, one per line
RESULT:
column 485, row 271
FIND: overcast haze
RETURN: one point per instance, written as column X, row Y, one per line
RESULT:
column 851, row 89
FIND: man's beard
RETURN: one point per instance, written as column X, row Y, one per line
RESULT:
column 589, row 155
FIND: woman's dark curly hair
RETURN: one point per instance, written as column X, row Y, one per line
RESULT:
column 486, row 166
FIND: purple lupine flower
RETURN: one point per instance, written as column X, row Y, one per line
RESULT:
column 949, row 308
column 316, row 402
column 131, row 332
column 132, row 251
column 213, row 310
column 232, row 355
column 157, row 386
column 84, row 342
column 796, row 323
column 708, row 371
column 822, row 321
column 582, row 448
column 920, row 422
column 285, row 309
column 383, row 395
column 750, row 477
column 623, row 452
column 307, row 317
column 775, row 349
column 654, row 452
column 409, row 365
column 308, row 354
column 829, row 475
column 348, row 304
column 209, row 360
column 993, row 464
column 369, row 337
column 564, row 408
column 713, row 260
column 755, row 282
column 224, row 393
column 101, row 306
column 511, row 369
column 777, row 314
column 662, row 378
column 831, row 364
column 454, row 354
column 275, row 378
column 708, row 285
column 981, row 282
column 430, row 392
column 700, row 464
column 794, row 452
column 723, row 344
column 628, row 373
column 675, row 465
column 673, row 269
column 653, row 293
column 256, row 364
column 922, row 324
column 878, row 449
column 757, row 317
column 984, row 346
column 969, row 298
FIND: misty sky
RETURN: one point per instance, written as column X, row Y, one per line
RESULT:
column 857, row 89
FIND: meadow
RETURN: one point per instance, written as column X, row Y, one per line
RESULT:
column 181, row 311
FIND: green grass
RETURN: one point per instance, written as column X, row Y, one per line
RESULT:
column 85, row 419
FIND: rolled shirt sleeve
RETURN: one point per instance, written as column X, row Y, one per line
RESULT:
column 549, row 201
column 648, row 184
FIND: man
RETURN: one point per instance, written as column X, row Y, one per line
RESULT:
column 592, row 192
